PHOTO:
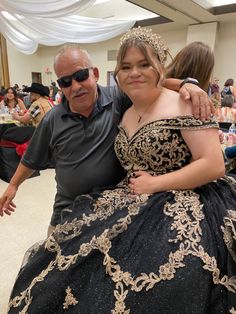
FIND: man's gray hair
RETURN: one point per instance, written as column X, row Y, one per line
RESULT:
column 72, row 46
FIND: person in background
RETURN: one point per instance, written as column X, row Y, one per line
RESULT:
column 58, row 97
column 27, row 100
column 194, row 54
column 215, row 93
column 154, row 243
column 2, row 90
column 79, row 134
column 215, row 88
column 54, row 90
column 16, row 87
column 40, row 105
column 11, row 102
column 190, row 62
column 226, row 113
column 229, row 88
column 49, row 98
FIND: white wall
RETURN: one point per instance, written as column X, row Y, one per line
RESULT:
column 225, row 50
column 21, row 66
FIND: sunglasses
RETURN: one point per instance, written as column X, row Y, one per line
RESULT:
column 78, row 76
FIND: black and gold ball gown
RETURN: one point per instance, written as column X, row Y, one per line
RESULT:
column 115, row 252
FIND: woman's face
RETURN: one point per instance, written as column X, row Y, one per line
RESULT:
column 137, row 78
column 10, row 94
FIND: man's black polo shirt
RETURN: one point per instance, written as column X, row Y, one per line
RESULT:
column 82, row 148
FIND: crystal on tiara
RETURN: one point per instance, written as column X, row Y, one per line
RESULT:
column 152, row 39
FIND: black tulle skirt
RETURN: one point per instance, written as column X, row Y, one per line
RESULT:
column 171, row 252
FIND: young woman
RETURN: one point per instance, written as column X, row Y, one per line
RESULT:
column 11, row 102
column 229, row 88
column 163, row 240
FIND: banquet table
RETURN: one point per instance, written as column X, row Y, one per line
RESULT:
column 7, row 122
column 14, row 138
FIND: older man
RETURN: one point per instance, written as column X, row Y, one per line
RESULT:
column 78, row 134
column 40, row 105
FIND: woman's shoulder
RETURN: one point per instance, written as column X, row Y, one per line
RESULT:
column 176, row 104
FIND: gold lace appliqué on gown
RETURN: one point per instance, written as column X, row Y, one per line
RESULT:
column 158, row 148
column 69, row 299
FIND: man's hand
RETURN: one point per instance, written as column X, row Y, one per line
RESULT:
column 203, row 106
column 6, row 205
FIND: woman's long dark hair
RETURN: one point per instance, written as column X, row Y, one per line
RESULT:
column 195, row 60
column 6, row 100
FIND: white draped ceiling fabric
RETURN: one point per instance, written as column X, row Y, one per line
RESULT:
column 54, row 22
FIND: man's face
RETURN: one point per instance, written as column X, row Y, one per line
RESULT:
column 34, row 96
column 81, row 95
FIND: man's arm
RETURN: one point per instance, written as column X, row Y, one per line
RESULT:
column 26, row 118
column 202, row 104
column 6, row 205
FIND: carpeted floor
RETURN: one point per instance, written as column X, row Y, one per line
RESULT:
column 26, row 226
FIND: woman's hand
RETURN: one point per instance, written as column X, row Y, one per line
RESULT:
column 142, row 183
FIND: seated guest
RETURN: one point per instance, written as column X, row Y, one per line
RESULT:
column 58, row 97
column 230, row 152
column 226, row 113
column 2, row 91
column 39, row 105
column 11, row 102
column 49, row 98
column 27, row 101
column 215, row 88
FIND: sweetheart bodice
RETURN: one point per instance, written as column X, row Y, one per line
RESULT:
column 158, row 146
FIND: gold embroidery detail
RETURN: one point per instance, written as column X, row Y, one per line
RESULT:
column 160, row 148
column 157, row 147
column 69, row 299
column 120, row 295
column 229, row 232
column 26, row 294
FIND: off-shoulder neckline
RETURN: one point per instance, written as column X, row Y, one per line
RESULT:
column 129, row 138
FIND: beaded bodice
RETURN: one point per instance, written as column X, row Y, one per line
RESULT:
column 158, row 146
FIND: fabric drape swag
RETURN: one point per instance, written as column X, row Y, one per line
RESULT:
column 52, row 23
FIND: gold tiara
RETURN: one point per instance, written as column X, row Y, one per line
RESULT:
column 152, row 39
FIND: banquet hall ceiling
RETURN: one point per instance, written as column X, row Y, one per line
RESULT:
column 27, row 23
column 172, row 13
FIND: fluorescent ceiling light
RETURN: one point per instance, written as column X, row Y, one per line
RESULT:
column 100, row 1
column 218, row 3
column 118, row 10
column 208, row 4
